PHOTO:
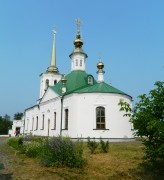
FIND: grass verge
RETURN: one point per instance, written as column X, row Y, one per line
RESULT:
column 123, row 161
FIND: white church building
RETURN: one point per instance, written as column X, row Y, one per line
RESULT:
column 78, row 105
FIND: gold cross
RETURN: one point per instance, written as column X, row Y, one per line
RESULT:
column 78, row 23
column 54, row 30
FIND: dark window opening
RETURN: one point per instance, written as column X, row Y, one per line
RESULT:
column 47, row 84
column 37, row 123
column 54, row 120
column 100, row 117
column 43, row 121
column 66, row 118
column 55, row 82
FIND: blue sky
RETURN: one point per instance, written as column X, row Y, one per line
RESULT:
column 128, row 34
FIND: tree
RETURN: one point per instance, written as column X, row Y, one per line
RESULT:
column 148, row 121
column 5, row 124
column 18, row 116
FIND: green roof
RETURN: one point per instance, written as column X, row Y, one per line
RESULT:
column 101, row 87
column 77, row 82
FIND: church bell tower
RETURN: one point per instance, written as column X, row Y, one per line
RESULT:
column 52, row 75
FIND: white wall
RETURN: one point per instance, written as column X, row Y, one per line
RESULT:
column 47, row 107
column 48, row 110
column 51, row 77
column 30, row 119
column 82, row 116
column 75, row 64
column 17, row 124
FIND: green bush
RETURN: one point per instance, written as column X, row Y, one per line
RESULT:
column 60, row 151
column 104, row 146
column 92, row 145
column 32, row 149
column 16, row 143
column 56, row 151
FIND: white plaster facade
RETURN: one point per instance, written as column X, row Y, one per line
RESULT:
column 52, row 80
column 78, row 62
column 81, row 118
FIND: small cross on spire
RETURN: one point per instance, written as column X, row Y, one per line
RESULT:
column 78, row 23
column 100, row 60
column 54, row 30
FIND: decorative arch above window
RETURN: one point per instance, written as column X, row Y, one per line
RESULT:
column 100, row 117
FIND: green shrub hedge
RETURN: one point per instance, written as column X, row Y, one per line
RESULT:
column 55, row 151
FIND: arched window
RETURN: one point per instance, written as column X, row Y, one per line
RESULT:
column 54, row 120
column 66, row 118
column 27, row 124
column 76, row 62
column 43, row 121
column 32, row 124
column 90, row 80
column 81, row 62
column 100, row 117
column 47, row 84
column 55, row 81
column 36, row 122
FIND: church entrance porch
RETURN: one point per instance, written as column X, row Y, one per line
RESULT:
column 17, row 131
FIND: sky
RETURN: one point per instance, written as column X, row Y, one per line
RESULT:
column 128, row 35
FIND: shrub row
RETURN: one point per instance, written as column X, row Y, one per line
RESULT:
column 56, row 151
column 93, row 145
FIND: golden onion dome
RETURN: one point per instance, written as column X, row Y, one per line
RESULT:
column 63, row 79
column 78, row 42
column 100, row 65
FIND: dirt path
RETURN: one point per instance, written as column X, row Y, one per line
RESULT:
column 6, row 154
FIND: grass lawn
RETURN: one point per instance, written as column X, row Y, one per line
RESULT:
column 120, row 163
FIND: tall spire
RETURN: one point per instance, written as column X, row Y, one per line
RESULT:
column 53, row 68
